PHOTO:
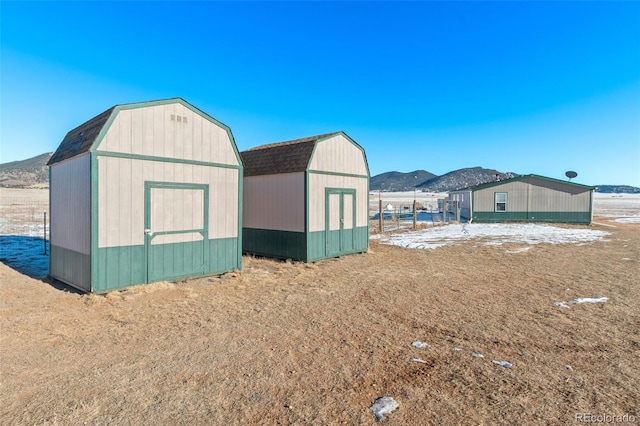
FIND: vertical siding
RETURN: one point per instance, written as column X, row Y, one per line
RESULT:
column 549, row 196
column 517, row 198
column 71, row 204
column 171, row 131
column 535, row 195
column 317, row 185
column 339, row 155
column 121, row 197
column 274, row 202
column 70, row 230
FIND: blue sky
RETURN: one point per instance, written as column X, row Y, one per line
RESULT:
column 525, row 87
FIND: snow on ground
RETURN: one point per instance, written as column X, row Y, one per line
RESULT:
column 491, row 234
column 625, row 208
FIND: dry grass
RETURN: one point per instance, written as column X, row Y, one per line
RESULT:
column 291, row 343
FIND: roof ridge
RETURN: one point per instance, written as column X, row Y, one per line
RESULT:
column 292, row 141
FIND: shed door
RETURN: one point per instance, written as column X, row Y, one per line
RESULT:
column 340, row 214
column 176, row 230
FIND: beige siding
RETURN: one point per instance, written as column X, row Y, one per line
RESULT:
column 317, row 185
column 339, row 155
column 535, row 195
column 121, row 198
column 274, row 202
column 71, row 204
column 170, row 131
column 176, row 210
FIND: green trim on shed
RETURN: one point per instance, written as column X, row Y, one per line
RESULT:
column 274, row 243
column 316, row 244
column 165, row 159
column 553, row 217
column 123, row 267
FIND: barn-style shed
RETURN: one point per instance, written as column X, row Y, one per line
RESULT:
column 306, row 199
column 145, row 192
column 527, row 198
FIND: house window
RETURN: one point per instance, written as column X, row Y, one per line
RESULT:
column 501, row 201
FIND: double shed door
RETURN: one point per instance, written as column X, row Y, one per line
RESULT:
column 340, row 220
column 176, row 230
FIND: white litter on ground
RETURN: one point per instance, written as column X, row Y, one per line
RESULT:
column 383, row 405
column 492, row 233
column 579, row 300
column 504, row 364
column 588, row 300
column 419, row 344
column 568, row 367
column 477, row 355
column 520, row 250
column 457, row 349
column 420, row 360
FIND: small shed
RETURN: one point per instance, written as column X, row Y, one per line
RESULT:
column 306, row 199
column 526, row 198
column 145, row 192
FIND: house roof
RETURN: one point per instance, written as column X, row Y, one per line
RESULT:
column 282, row 157
column 520, row 178
column 84, row 137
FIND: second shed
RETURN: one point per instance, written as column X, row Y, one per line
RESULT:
column 306, row 199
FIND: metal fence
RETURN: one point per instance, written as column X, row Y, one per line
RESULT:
column 24, row 234
column 394, row 216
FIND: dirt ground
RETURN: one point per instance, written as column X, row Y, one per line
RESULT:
column 292, row 343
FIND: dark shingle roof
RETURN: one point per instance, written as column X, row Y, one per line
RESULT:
column 79, row 140
column 283, row 157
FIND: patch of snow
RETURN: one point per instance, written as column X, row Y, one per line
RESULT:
column 477, row 355
column 578, row 300
column 520, row 250
column 588, row 300
column 383, row 405
column 492, row 234
column 457, row 349
column 504, row 364
column 419, row 344
column 627, row 220
column 568, row 367
column 420, row 360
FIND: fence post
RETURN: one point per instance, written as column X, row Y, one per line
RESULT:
column 414, row 215
column 380, row 220
column 45, row 233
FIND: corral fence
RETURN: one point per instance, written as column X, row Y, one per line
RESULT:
column 24, row 228
column 390, row 216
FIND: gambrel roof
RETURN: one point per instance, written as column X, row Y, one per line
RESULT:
column 282, row 157
column 84, row 137
column 81, row 139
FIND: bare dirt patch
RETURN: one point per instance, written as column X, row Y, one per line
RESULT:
column 293, row 343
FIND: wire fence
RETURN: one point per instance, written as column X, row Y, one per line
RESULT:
column 396, row 216
column 24, row 233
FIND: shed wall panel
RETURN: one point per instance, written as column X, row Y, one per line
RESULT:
column 274, row 202
column 339, row 155
column 156, row 131
column 317, row 185
column 71, row 204
column 121, row 197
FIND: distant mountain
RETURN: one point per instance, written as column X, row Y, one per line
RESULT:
column 26, row 173
column 617, row 189
column 463, row 178
column 398, row 181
